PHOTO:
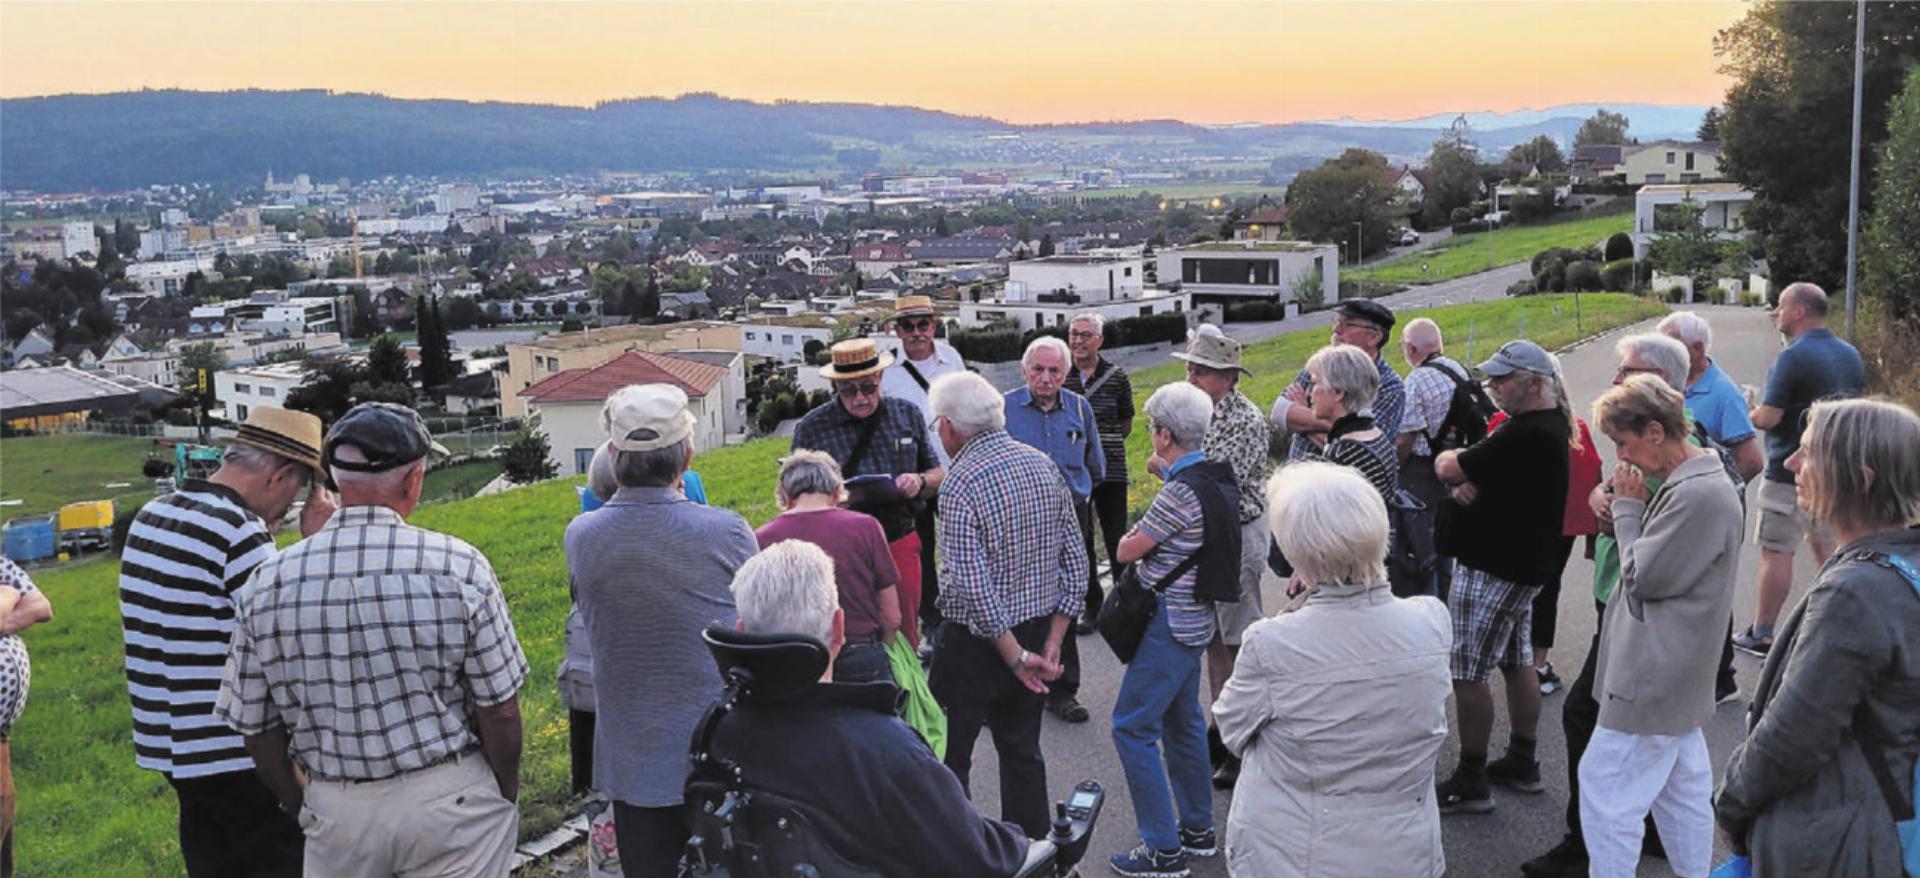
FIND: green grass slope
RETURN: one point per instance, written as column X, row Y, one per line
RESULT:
column 1462, row 255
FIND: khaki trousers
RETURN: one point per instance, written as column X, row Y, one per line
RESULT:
column 448, row 820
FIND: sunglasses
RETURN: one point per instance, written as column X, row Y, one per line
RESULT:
column 916, row 325
column 854, row 390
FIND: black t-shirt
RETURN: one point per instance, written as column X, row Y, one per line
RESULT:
column 1513, row 527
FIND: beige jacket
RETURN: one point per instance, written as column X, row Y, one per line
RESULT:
column 1339, row 709
column 1679, row 553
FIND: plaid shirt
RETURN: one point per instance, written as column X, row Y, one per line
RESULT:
column 1429, row 395
column 1112, row 405
column 373, row 642
column 1238, row 436
column 1389, row 406
column 899, row 445
column 1010, row 545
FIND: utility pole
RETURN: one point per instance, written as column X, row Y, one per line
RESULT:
column 1853, row 183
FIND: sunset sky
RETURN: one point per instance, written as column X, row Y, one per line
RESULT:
column 1209, row 62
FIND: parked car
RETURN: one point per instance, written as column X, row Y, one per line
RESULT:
column 1409, row 236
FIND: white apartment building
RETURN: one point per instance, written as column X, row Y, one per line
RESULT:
column 1723, row 210
column 239, row 390
column 77, row 238
column 1250, row 269
column 1074, row 279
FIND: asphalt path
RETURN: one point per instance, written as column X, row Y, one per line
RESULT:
column 1522, row 826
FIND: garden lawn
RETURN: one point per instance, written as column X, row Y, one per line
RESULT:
column 47, row 472
column 85, row 810
column 460, row 481
column 1462, row 255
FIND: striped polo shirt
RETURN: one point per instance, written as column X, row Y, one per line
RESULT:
column 186, row 554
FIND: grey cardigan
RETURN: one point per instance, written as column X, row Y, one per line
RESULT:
column 1679, row 552
column 1798, row 791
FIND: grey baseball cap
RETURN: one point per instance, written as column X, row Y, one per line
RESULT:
column 387, row 435
column 1519, row 355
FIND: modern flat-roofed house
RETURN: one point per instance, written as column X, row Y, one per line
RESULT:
column 1050, row 290
column 1723, row 210
column 1249, row 269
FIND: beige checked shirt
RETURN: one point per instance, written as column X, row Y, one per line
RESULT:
column 372, row 642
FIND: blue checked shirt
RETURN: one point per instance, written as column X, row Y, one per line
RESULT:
column 1010, row 545
column 1068, row 434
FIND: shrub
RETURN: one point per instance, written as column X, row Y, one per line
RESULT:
column 1619, row 246
column 1617, row 276
column 526, row 459
column 571, row 324
column 1310, row 290
column 1583, row 276
column 156, row 468
column 1750, row 299
column 1245, row 311
column 1460, row 215
column 1548, row 282
column 1167, row 327
column 1521, row 288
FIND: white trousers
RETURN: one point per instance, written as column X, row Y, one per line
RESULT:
column 1623, row 776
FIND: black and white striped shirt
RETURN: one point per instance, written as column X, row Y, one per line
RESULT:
column 186, row 554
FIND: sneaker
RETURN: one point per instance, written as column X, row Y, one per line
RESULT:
column 1725, row 691
column 1145, row 862
column 1752, row 644
column 1199, row 843
column 1461, row 795
column 1519, row 774
column 1549, row 681
column 1068, row 709
column 1227, row 774
column 1568, row 859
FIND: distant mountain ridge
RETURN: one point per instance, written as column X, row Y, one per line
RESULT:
column 132, row 139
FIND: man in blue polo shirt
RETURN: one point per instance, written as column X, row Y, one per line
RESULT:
column 1712, row 398
column 1814, row 366
column 1060, row 423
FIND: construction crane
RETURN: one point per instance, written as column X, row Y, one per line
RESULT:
column 353, row 218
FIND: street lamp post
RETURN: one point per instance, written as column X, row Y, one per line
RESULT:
column 1853, row 184
column 1360, row 255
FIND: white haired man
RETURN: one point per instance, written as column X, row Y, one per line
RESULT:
column 415, row 770
column 1013, row 579
column 1713, row 400
column 187, row 555
column 1060, row 423
column 1110, row 392
column 826, row 740
column 1430, row 422
column 1504, row 527
column 1815, row 366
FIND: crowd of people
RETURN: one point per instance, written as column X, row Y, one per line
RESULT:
column 348, row 704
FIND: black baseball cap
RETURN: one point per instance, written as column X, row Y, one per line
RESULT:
column 387, row 435
column 1369, row 310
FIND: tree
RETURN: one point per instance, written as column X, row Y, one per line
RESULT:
column 1709, row 126
column 462, row 312
column 526, row 460
column 1342, row 198
column 327, row 392
column 1685, row 247
column 940, row 225
column 196, row 359
column 649, row 305
column 1453, row 179
column 436, row 348
column 1605, row 128
column 1046, row 244
column 312, row 228
column 387, row 361
column 1542, row 152
column 1783, row 133
column 126, row 238
column 1890, row 270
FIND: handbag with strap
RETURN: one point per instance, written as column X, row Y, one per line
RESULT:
column 917, row 707
column 1128, row 611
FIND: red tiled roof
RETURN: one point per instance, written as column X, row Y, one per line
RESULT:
column 633, row 367
column 1272, row 216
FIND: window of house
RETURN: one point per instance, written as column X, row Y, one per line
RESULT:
column 240, row 411
column 1669, row 158
column 242, row 388
column 1146, row 311
column 1689, row 161
column 582, row 460
column 1127, row 272
column 1656, row 178
column 269, row 392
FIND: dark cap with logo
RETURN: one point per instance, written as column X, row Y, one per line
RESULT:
column 387, row 435
column 1369, row 310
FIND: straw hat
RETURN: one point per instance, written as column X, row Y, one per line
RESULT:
column 854, row 358
column 912, row 306
column 293, row 435
column 1208, row 347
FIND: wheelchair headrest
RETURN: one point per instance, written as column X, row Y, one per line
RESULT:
column 767, row 665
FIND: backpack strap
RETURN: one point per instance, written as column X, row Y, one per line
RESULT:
column 914, row 373
column 1871, row 745
column 1458, row 381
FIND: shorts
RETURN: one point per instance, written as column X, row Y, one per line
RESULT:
column 1492, row 624
column 1783, row 524
column 1231, row 620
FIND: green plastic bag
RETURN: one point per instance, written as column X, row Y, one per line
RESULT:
column 918, row 708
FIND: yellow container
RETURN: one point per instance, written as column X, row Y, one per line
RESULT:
column 87, row 514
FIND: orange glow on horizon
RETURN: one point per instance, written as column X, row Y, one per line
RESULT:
column 1206, row 62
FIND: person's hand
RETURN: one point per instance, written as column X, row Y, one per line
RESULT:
column 1465, row 493
column 910, row 484
column 1297, row 394
column 1052, row 654
column 1629, row 482
column 1600, row 503
column 321, row 505
column 1157, row 466
column 1034, row 671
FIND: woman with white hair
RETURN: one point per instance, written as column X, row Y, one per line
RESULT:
column 1344, row 382
column 809, row 495
column 1339, row 708
column 1158, row 707
column 1831, row 742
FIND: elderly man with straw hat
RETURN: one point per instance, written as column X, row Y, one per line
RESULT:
column 1237, row 436
column 881, row 445
column 186, row 555
column 924, row 360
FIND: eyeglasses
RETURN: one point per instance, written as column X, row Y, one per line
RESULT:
column 1342, row 324
column 1081, row 333
column 1636, row 370
column 915, row 325
column 855, row 390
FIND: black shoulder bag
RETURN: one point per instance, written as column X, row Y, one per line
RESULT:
column 1129, row 609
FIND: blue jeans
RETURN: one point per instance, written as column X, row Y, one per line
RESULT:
column 863, row 663
column 1159, row 704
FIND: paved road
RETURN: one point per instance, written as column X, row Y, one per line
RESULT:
column 1522, row 826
